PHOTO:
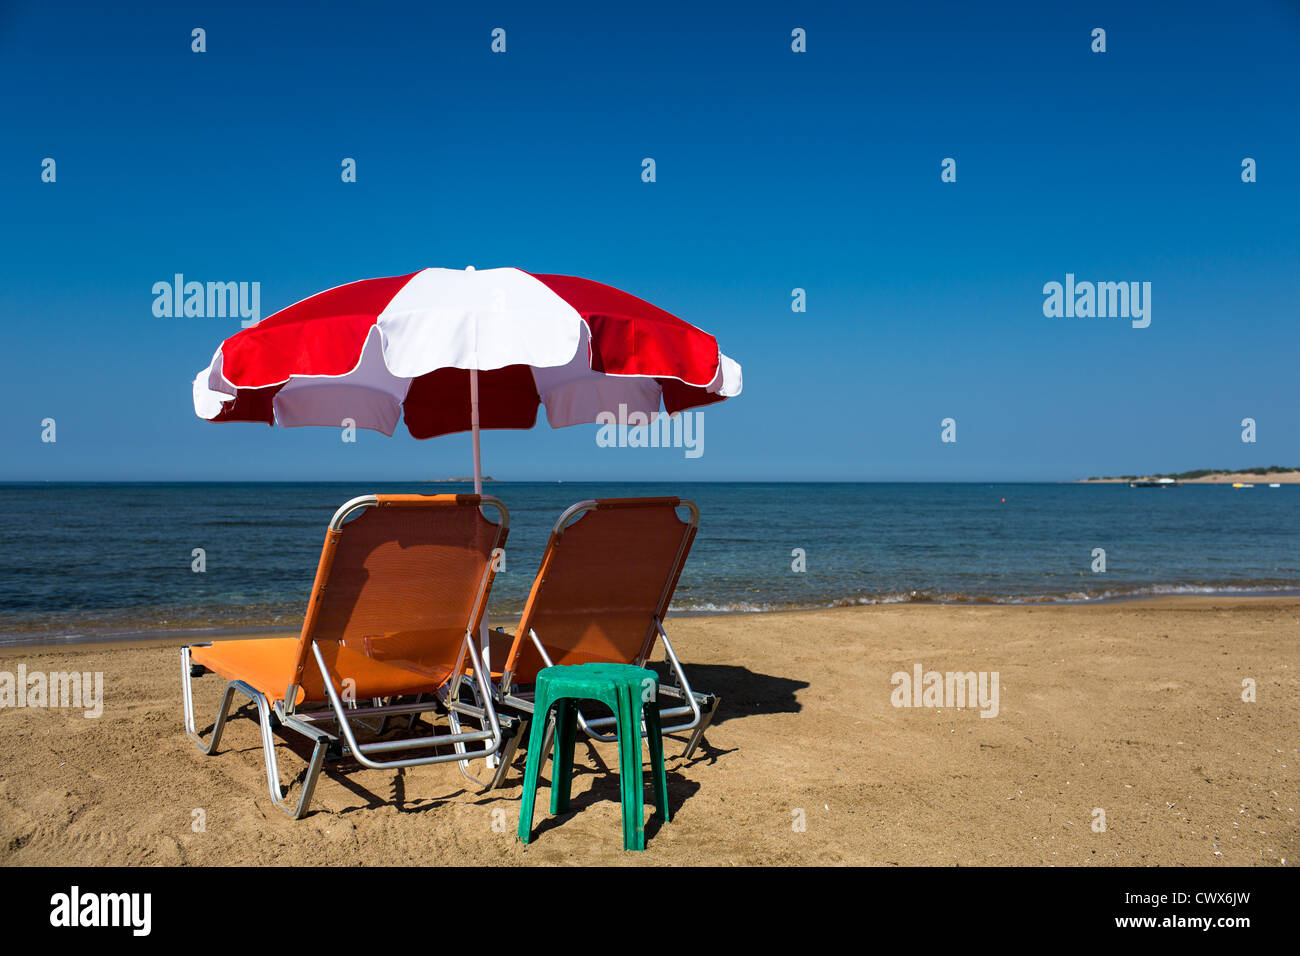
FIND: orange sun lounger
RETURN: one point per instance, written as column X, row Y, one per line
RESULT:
column 602, row 590
column 401, row 587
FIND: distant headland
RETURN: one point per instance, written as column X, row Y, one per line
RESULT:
column 1216, row 476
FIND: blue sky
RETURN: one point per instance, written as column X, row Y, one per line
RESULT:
column 775, row 170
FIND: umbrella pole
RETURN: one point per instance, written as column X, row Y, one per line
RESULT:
column 485, row 643
column 473, row 419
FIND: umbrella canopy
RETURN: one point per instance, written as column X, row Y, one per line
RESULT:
column 450, row 350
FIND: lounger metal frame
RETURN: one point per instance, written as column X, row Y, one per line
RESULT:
column 700, row 707
column 330, row 745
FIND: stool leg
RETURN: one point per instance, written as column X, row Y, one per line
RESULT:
column 566, row 726
column 654, row 734
column 629, row 769
column 620, row 713
column 541, row 711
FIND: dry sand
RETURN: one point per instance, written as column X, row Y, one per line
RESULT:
column 1133, row 708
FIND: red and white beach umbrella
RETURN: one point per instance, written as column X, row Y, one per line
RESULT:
column 450, row 350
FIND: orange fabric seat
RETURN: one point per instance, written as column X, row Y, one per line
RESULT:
column 600, row 595
column 267, row 665
column 397, row 588
column 605, row 582
column 401, row 587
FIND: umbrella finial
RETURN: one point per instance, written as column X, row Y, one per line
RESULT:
column 469, row 268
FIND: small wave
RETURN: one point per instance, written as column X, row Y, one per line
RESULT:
column 928, row 596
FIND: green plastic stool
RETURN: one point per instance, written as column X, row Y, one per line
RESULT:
column 624, row 688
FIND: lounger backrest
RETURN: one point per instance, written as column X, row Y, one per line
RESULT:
column 604, row 581
column 401, row 578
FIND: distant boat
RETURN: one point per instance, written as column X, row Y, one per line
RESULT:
column 1242, row 484
column 1274, row 484
column 1154, row 483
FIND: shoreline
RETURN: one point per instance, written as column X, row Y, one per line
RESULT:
column 178, row 638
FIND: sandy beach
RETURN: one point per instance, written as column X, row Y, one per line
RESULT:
column 1134, row 709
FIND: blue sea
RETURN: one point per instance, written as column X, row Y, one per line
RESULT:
column 92, row 561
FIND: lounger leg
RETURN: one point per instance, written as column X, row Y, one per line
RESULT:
column 309, row 783
column 264, row 715
column 509, row 746
column 314, row 765
column 410, row 721
column 268, row 749
column 548, row 733
column 453, row 721
column 511, row 733
column 698, row 734
column 187, row 696
column 218, row 725
column 498, row 762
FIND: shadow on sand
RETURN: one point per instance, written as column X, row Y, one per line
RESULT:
column 742, row 693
